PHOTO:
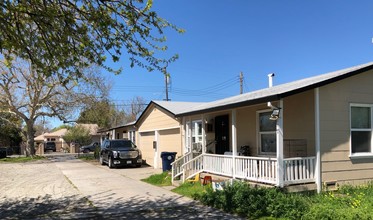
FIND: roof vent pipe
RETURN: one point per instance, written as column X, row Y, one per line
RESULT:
column 270, row 84
column 270, row 79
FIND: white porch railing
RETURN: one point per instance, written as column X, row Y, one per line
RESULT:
column 257, row 169
column 299, row 170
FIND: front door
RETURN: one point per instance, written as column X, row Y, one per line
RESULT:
column 222, row 134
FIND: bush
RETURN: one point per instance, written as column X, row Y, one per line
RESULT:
column 258, row 202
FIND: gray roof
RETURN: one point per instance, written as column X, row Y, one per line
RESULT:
column 276, row 92
column 177, row 107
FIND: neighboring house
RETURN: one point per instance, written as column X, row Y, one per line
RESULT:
column 158, row 130
column 321, row 132
column 126, row 131
column 93, row 131
column 57, row 137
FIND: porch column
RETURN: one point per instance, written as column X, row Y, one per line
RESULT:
column 234, row 141
column 190, row 134
column 203, row 135
column 184, row 130
column 280, row 147
column 317, row 141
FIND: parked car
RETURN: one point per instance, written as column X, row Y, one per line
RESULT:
column 89, row 148
column 117, row 153
column 50, row 145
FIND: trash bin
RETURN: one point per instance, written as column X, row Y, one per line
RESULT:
column 3, row 153
column 167, row 159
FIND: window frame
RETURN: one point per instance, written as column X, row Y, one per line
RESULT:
column 260, row 133
column 361, row 154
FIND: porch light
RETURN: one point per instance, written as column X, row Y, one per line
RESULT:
column 275, row 114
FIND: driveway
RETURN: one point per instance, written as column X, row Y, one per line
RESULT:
column 67, row 188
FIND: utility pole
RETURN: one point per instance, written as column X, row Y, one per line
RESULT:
column 241, row 82
column 167, row 79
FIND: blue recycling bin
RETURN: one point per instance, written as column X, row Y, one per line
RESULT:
column 167, row 159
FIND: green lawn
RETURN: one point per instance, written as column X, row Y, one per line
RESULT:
column 163, row 179
column 21, row 159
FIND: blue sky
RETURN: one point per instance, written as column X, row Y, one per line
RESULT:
column 293, row 39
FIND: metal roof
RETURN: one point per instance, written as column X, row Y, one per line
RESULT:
column 177, row 107
column 276, row 92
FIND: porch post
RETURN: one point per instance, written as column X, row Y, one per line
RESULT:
column 234, row 141
column 203, row 135
column 190, row 134
column 183, row 141
column 280, row 147
column 317, row 141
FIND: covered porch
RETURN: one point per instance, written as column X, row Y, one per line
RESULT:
column 274, row 142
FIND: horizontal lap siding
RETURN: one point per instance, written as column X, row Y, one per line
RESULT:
column 335, row 102
column 157, row 119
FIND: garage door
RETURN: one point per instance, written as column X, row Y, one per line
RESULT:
column 169, row 141
column 146, row 147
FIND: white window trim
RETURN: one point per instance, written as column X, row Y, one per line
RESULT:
column 364, row 154
column 259, row 140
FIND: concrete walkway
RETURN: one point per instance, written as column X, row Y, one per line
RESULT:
column 87, row 191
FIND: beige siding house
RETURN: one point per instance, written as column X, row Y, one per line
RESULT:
column 314, row 131
column 158, row 130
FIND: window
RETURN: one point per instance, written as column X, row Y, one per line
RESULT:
column 267, row 133
column 361, row 128
column 194, row 132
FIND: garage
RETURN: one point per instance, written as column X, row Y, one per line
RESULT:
column 146, row 146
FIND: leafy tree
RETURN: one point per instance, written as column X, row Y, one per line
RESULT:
column 78, row 134
column 103, row 113
column 64, row 37
column 29, row 94
column 10, row 130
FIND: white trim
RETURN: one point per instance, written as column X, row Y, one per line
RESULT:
column 361, row 154
column 160, row 129
column 259, row 144
column 234, row 140
column 156, row 150
column 203, row 134
column 280, row 146
column 318, row 141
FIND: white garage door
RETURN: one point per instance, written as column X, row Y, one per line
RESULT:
column 146, row 147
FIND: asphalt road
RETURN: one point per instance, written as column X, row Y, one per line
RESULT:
column 67, row 188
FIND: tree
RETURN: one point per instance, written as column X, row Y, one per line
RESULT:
column 103, row 113
column 78, row 134
column 136, row 107
column 63, row 37
column 29, row 94
column 10, row 130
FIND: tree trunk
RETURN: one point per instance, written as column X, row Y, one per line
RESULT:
column 30, row 148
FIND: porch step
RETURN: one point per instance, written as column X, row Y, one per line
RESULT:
column 177, row 183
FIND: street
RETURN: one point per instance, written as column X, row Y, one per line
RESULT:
column 64, row 187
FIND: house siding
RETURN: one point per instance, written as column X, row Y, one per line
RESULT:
column 157, row 119
column 335, row 100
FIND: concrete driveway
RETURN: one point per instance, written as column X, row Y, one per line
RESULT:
column 67, row 188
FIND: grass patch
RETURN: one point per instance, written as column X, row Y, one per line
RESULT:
column 22, row 159
column 190, row 190
column 162, row 179
column 87, row 157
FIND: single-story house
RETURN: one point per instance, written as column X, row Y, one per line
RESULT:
column 126, row 131
column 158, row 130
column 313, row 131
column 57, row 137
